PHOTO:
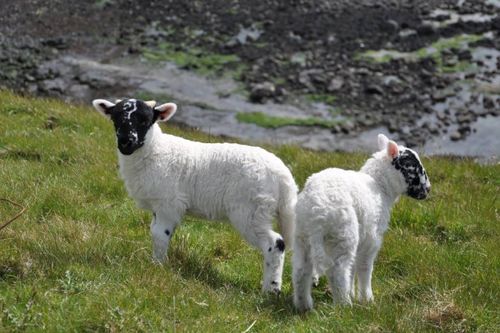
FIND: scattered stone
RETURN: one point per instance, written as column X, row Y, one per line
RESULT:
column 374, row 90
column 260, row 92
column 488, row 102
column 56, row 42
column 407, row 33
column 347, row 127
column 96, row 80
column 464, row 54
column 80, row 91
column 335, row 84
column 299, row 58
column 55, row 85
column 426, row 29
column 455, row 136
column 441, row 95
column 390, row 26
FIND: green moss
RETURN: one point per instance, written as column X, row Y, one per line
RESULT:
column 323, row 98
column 263, row 120
column 433, row 51
column 196, row 59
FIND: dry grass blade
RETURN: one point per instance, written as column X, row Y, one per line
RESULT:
column 21, row 212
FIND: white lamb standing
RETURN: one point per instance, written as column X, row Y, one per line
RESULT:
column 342, row 217
column 170, row 176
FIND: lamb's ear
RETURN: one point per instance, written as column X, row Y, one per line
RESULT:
column 392, row 149
column 151, row 104
column 103, row 106
column 382, row 141
column 166, row 111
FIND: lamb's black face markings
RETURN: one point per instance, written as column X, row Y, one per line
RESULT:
column 132, row 119
column 414, row 173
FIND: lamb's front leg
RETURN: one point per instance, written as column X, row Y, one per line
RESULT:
column 162, row 229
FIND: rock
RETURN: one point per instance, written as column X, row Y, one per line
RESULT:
column 56, row 42
column 455, row 136
column 299, row 58
column 392, row 126
column 464, row 118
column 96, row 80
column 464, row 54
column 374, row 90
column 488, row 102
column 441, row 95
column 347, row 127
column 55, row 85
column 80, row 92
column 390, row 26
column 450, row 61
column 426, row 29
column 335, row 84
column 262, row 91
column 407, row 33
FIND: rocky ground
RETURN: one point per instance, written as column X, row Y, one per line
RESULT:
column 287, row 51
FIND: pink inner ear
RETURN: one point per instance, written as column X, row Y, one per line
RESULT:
column 392, row 149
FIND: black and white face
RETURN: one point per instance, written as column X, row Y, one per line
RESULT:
column 132, row 119
column 409, row 164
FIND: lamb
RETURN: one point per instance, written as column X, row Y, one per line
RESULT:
column 342, row 217
column 170, row 176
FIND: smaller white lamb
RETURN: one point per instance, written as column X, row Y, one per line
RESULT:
column 341, row 217
column 170, row 176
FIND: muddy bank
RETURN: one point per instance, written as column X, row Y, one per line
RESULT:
column 427, row 73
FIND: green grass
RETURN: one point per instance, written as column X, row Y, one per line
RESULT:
column 79, row 258
column 263, row 120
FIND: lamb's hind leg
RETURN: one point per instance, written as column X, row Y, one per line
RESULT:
column 302, row 272
column 340, row 246
column 162, row 229
column 256, row 228
column 364, row 267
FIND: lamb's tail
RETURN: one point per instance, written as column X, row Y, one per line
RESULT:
column 286, row 210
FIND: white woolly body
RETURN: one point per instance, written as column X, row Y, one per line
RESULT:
column 341, row 218
column 248, row 185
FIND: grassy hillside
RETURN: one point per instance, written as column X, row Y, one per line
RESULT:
column 79, row 258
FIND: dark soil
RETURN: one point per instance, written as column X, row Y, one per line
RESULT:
column 324, row 35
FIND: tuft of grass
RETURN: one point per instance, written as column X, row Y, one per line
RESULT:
column 79, row 259
column 263, row 120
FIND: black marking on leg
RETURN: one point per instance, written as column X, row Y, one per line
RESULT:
column 280, row 244
column 274, row 283
column 167, row 232
column 154, row 215
column 270, row 249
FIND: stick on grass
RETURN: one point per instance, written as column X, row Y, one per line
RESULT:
column 21, row 212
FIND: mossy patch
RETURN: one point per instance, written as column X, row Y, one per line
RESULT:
column 433, row 51
column 201, row 61
column 322, row 98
